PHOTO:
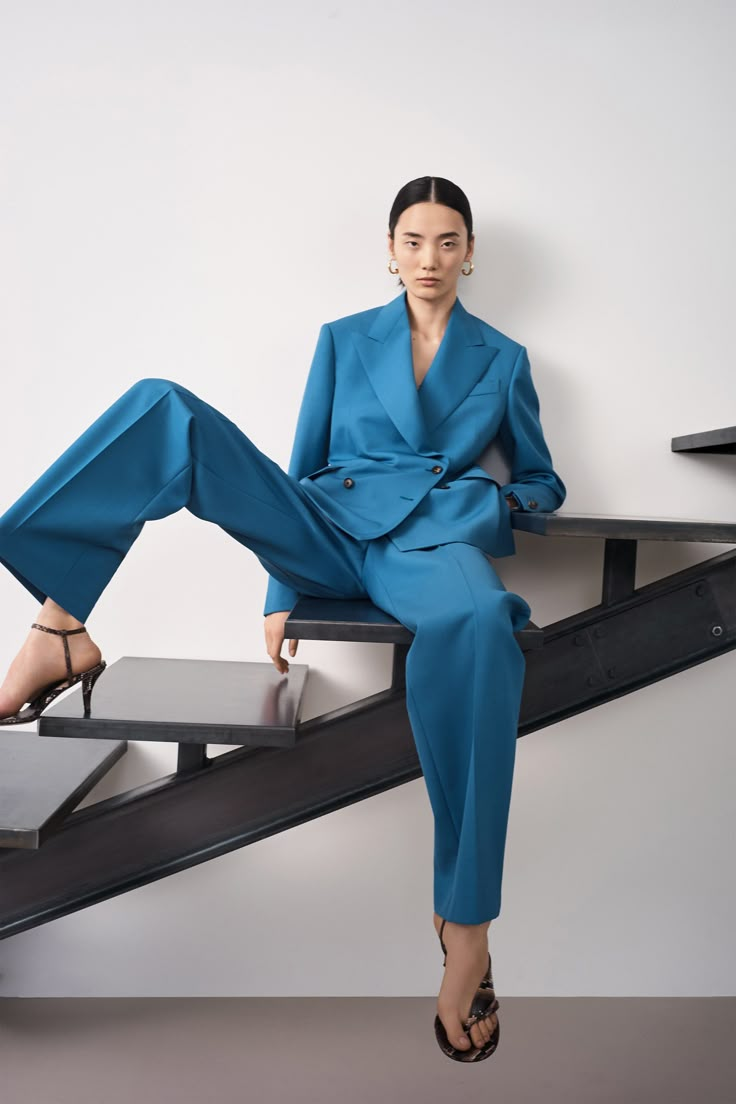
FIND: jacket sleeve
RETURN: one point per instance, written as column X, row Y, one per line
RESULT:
column 534, row 483
column 311, row 442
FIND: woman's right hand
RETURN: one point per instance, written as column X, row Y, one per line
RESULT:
column 274, row 629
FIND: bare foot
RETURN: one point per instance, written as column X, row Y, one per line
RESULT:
column 41, row 662
column 467, row 962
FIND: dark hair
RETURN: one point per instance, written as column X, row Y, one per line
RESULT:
column 430, row 189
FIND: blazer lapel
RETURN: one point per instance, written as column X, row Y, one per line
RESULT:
column 385, row 351
column 458, row 364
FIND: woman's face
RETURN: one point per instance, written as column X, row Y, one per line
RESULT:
column 430, row 240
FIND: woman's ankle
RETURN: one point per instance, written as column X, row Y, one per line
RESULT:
column 56, row 617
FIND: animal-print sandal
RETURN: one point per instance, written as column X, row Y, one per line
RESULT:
column 484, row 1005
column 42, row 698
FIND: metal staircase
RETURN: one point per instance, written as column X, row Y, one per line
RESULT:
column 285, row 771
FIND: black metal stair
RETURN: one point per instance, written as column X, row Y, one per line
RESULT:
column 625, row 527
column 713, row 440
column 359, row 619
column 286, row 771
column 186, row 701
column 40, row 785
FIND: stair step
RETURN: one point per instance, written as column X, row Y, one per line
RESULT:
column 359, row 619
column 712, row 440
column 623, row 527
column 40, row 785
column 187, row 701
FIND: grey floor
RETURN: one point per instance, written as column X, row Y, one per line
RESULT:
column 232, row 1049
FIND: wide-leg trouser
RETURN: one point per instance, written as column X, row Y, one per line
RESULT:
column 158, row 448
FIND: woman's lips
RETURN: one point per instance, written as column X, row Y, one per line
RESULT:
column 428, row 280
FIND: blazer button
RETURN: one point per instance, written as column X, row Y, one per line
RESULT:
column 443, row 486
column 531, row 502
column 437, row 469
column 348, row 482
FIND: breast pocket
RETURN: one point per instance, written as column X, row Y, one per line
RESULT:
column 483, row 406
column 486, row 387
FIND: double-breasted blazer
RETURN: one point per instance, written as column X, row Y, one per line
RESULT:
column 380, row 456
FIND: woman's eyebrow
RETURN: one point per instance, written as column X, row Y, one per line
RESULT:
column 413, row 234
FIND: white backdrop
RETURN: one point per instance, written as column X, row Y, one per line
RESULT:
column 189, row 189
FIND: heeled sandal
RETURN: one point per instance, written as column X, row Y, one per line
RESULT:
column 38, row 703
column 484, row 1005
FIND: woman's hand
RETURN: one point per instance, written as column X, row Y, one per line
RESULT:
column 274, row 629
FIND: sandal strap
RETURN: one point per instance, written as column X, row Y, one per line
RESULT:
column 63, row 633
column 442, row 928
column 476, row 1016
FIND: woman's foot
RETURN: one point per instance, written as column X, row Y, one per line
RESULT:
column 41, row 661
column 465, row 968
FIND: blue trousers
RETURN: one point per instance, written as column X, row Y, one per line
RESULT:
column 159, row 448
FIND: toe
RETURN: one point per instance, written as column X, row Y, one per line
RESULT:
column 481, row 1031
column 456, row 1032
column 476, row 1035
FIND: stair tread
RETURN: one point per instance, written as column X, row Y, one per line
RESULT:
column 187, row 701
column 40, row 784
column 623, row 526
column 721, row 440
column 358, row 619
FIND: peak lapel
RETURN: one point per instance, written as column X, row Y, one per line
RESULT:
column 458, row 364
column 461, row 359
column 385, row 351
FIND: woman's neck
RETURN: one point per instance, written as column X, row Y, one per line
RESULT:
column 428, row 319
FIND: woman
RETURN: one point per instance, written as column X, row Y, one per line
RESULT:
column 382, row 500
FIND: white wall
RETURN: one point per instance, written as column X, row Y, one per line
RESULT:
column 190, row 190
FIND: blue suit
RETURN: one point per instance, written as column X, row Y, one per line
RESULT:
column 376, row 454
column 382, row 500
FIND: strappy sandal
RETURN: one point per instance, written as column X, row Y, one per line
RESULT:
column 37, row 704
column 484, row 1005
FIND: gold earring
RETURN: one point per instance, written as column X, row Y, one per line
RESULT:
column 393, row 271
column 472, row 266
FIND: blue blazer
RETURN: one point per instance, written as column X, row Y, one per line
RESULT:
column 378, row 455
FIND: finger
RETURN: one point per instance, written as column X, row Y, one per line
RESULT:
column 275, row 656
